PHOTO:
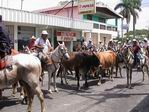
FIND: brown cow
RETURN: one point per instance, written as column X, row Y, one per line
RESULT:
column 81, row 63
column 107, row 60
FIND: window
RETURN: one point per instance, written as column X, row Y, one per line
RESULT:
column 103, row 27
column 89, row 17
column 102, row 20
column 96, row 26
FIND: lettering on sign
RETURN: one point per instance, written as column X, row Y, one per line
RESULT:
column 87, row 6
column 66, row 36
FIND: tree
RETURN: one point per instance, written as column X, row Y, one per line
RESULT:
column 129, row 8
column 136, row 6
column 125, row 7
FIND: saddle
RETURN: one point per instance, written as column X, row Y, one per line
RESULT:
column 2, row 64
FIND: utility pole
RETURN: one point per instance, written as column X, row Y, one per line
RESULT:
column 21, row 4
column 72, row 9
column 1, row 3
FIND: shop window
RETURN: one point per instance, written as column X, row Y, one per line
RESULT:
column 102, row 20
column 89, row 17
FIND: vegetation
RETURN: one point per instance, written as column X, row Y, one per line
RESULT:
column 129, row 8
column 139, row 33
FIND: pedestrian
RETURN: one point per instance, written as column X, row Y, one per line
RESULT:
column 90, row 44
column 32, row 43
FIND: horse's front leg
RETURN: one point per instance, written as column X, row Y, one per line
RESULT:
column 127, row 72
column 54, row 80
column 130, row 78
column 111, row 73
column 78, row 78
column 49, row 80
column 86, row 84
column 0, row 93
column 14, row 89
column 120, row 69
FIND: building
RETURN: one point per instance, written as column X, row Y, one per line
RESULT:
column 104, row 21
column 22, row 25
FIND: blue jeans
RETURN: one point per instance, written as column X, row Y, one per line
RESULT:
column 136, row 60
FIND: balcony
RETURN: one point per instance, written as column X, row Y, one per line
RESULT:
column 26, row 17
column 103, row 26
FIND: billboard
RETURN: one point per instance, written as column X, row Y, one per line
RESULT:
column 66, row 36
column 87, row 6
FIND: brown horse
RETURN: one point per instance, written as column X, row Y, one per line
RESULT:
column 27, row 70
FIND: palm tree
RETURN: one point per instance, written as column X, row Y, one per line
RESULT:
column 136, row 5
column 125, row 7
column 129, row 8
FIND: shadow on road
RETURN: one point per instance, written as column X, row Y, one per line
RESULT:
column 6, row 102
column 143, row 106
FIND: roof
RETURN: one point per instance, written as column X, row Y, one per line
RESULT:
column 107, row 12
column 102, row 10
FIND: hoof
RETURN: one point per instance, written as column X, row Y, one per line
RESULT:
column 99, row 83
column 50, row 91
column 56, row 90
column 78, row 88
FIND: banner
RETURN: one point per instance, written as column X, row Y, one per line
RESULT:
column 87, row 6
column 66, row 36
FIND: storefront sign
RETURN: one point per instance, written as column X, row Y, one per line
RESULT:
column 87, row 6
column 66, row 36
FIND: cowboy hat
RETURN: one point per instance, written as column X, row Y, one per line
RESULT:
column 44, row 32
column 145, row 39
column 33, row 37
column 134, row 40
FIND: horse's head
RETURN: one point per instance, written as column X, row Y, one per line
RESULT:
column 62, row 50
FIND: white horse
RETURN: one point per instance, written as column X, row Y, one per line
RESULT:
column 26, row 69
column 52, row 63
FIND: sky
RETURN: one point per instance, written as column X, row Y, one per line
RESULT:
column 30, row 5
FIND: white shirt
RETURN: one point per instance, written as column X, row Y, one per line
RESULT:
column 46, row 44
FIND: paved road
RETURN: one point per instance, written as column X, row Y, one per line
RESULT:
column 109, row 97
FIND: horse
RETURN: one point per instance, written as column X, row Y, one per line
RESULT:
column 51, row 63
column 26, row 69
column 129, row 59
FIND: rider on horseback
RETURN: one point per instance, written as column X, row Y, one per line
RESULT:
column 136, row 49
column 146, row 46
column 5, row 46
column 111, row 45
column 42, row 44
column 5, row 42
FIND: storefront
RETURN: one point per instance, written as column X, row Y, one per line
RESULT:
column 23, row 24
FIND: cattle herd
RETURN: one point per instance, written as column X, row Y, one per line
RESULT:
column 28, row 70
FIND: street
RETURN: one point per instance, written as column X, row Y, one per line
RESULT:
column 111, row 96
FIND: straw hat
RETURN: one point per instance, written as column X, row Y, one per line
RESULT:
column 134, row 40
column 33, row 37
column 44, row 32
